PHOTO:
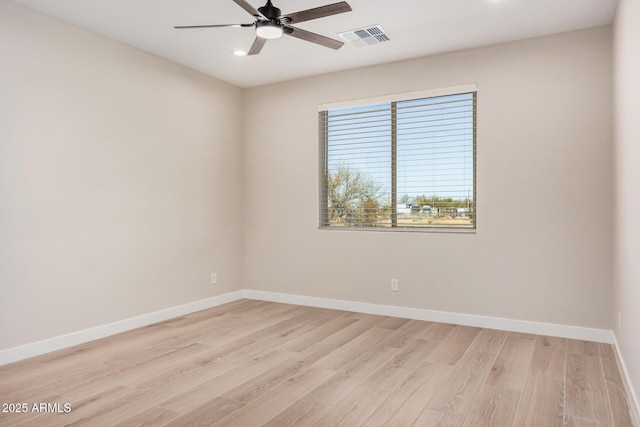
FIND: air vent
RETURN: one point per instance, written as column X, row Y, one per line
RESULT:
column 366, row 36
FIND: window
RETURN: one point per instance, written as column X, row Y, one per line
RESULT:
column 403, row 163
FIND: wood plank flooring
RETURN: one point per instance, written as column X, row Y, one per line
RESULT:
column 254, row 363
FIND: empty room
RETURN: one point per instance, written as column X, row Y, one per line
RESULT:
column 319, row 213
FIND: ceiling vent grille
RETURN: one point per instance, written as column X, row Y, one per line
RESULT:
column 366, row 36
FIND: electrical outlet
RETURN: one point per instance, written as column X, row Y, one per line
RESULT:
column 394, row 285
column 619, row 320
column 214, row 278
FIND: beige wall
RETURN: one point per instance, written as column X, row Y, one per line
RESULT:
column 120, row 181
column 542, row 251
column 627, row 236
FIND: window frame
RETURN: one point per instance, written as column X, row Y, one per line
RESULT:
column 323, row 109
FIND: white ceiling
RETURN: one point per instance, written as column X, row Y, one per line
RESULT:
column 416, row 27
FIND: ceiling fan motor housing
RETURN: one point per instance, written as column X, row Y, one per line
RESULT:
column 269, row 11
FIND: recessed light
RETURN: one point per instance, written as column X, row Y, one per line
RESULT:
column 239, row 53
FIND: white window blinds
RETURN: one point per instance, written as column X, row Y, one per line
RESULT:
column 407, row 163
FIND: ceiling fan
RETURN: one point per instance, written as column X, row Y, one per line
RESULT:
column 271, row 24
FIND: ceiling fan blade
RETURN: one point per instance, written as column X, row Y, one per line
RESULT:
column 257, row 46
column 246, row 6
column 318, row 12
column 181, row 27
column 312, row 37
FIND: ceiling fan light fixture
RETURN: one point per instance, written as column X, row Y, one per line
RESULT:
column 268, row 30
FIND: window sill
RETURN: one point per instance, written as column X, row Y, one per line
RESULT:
column 450, row 230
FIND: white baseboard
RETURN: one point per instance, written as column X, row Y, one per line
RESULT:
column 634, row 403
column 538, row 328
column 52, row 344
column 56, row 343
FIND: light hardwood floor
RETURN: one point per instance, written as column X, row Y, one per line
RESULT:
column 253, row 363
